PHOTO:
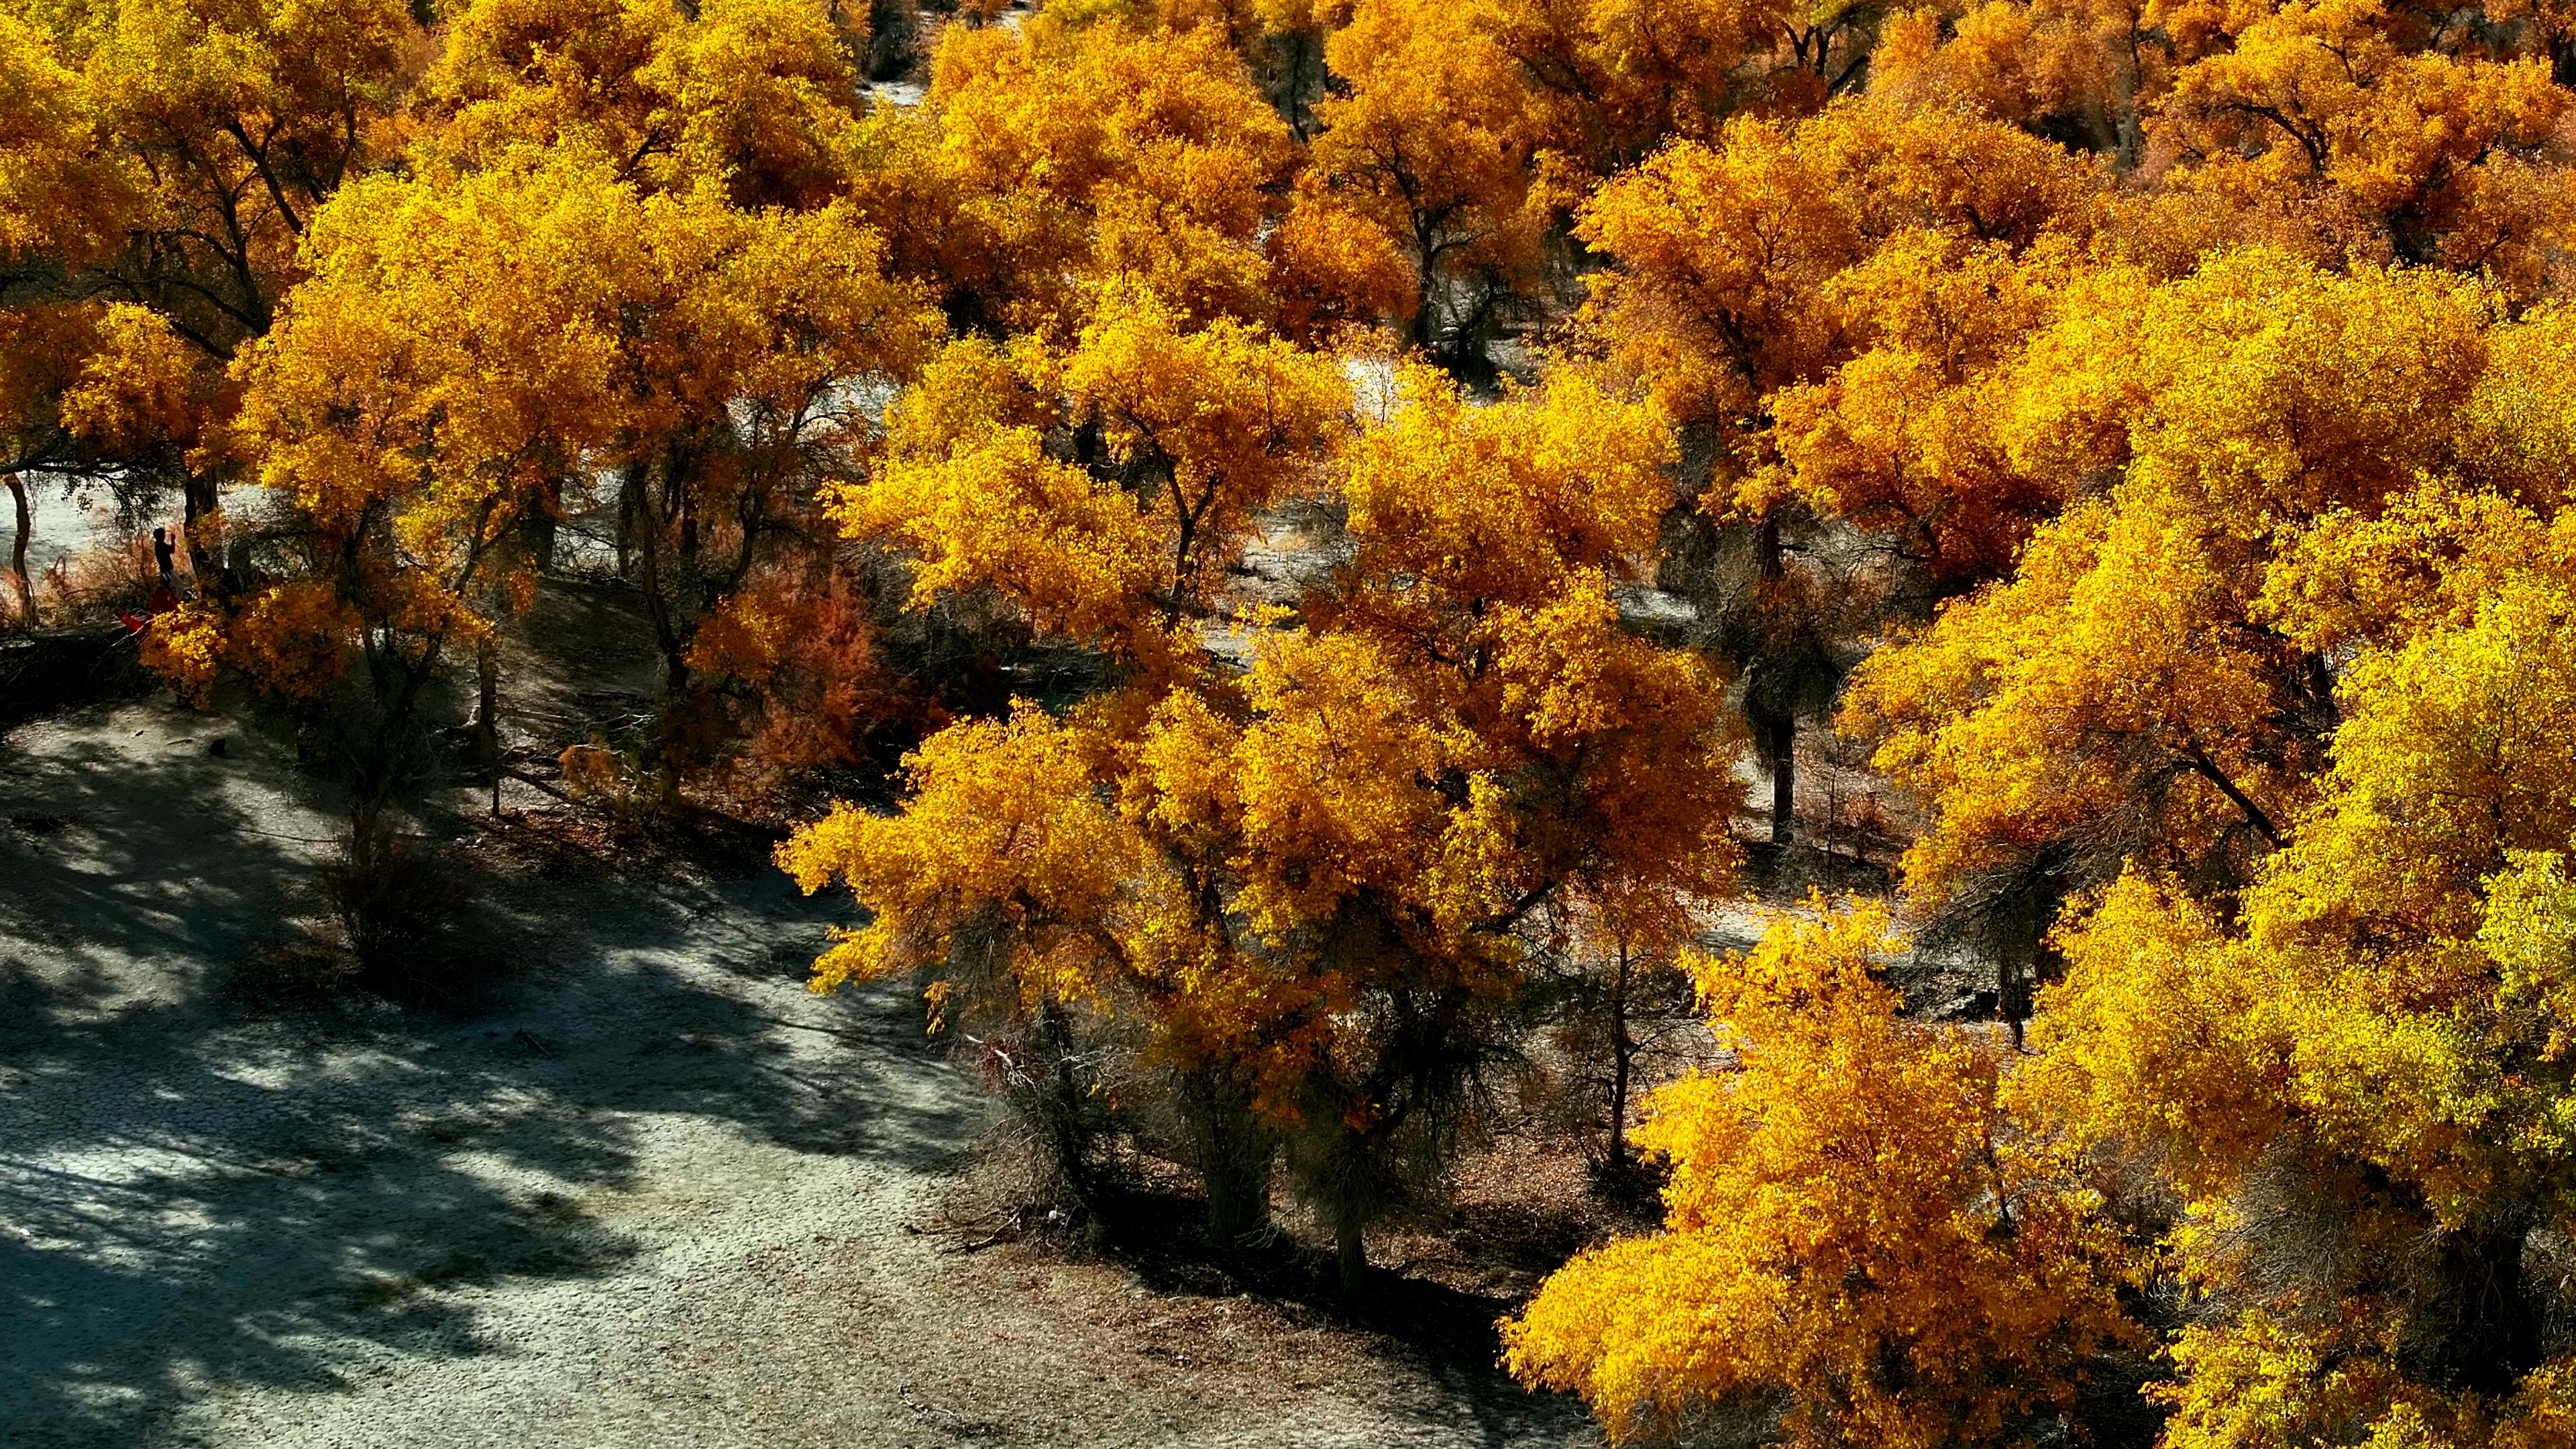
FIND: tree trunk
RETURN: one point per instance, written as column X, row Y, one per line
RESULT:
column 1780, row 743
column 18, row 551
column 1235, row 1149
column 544, row 525
column 487, row 712
column 627, row 491
column 1423, row 330
column 2472, row 1324
column 200, row 498
column 1623, row 1054
column 2020, row 941
column 1059, row 1105
column 1770, row 559
column 1350, row 1251
column 1776, row 734
column 1237, row 1175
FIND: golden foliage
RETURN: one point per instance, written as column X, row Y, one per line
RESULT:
column 1851, row 1218
column 2178, row 390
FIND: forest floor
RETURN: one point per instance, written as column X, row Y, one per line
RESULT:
column 620, row 1180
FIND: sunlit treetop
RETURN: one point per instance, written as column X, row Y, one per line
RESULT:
column 1851, row 1220
column 1003, row 849
column 1428, row 141
column 1050, row 159
column 1603, row 84
column 230, row 124
column 2390, row 1006
column 503, row 325
column 65, row 195
column 2314, row 130
column 1725, row 251
column 2284, row 450
column 1506, row 503
column 467, row 345
column 42, row 354
column 757, row 96
column 144, row 394
column 1908, row 438
column 1198, row 430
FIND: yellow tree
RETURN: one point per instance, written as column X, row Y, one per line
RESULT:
column 65, row 196
column 1554, row 766
column 2125, row 695
column 2355, row 1075
column 464, row 348
column 1857, row 1231
column 1188, row 434
column 219, row 130
column 1430, row 145
column 2314, row 129
column 1281, row 40
column 2343, row 614
column 2084, row 71
column 1332, row 860
column 757, row 96
column 1051, row 159
column 1606, row 83
column 1725, row 252
column 1746, row 271
column 65, row 200
column 1902, row 440
column 41, row 351
column 1191, row 433
column 2361, row 1085
column 1008, row 875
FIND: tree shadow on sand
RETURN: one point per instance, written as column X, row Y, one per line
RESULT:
column 196, row 1192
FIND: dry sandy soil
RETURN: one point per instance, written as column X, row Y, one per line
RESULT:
column 640, row 1188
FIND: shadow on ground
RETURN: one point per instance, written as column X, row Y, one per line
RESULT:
column 199, row 1194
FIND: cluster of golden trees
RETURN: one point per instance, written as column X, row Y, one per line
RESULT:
column 2179, row 393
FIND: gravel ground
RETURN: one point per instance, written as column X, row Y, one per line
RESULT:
column 648, row 1191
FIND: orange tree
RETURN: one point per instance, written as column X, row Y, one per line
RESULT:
column 1428, row 143
column 2289, row 684
column 463, row 347
column 1308, row 878
column 216, row 132
column 1857, row 1235
column 63, row 202
column 2356, row 1081
column 2266, row 653
column 1781, row 291
column 2129, row 693
column 1081, row 149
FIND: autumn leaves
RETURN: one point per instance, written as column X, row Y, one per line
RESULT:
column 2170, row 400
column 1313, row 880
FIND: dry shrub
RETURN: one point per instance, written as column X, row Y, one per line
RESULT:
column 597, row 775
column 391, row 891
column 892, row 36
column 291, row 970
column 792, row 683
column 93, row 581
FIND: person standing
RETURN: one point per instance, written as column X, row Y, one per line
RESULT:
column 165, row 593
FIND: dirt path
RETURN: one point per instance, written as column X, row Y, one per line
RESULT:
column 651, row 1192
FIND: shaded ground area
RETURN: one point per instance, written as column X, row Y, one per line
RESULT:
column 641, row 1189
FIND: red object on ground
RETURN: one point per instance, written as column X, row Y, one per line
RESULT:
column 164, row 600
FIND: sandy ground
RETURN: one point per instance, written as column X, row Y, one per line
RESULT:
column 646, row 1191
